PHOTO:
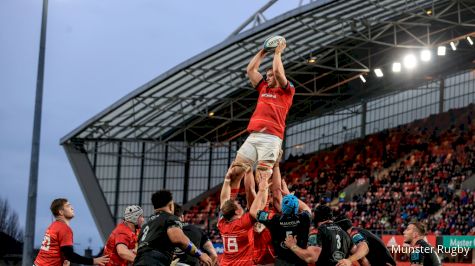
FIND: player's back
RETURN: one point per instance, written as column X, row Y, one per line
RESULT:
column 237, row 245
column 378, row 252
column 281, row 226
column 57, row 235
column 335, row 243
column 154, row 244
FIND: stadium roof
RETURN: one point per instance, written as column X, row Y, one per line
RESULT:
column 209, row 98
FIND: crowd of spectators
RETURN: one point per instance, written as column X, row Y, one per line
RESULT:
column 414, row 171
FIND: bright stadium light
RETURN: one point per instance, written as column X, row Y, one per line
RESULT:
column 469, row 40
column 396, row 67
column 426, row 55
column 441, row 50
column 362, row 79
column 410, row 61
column 454, row 47
column 378, row 72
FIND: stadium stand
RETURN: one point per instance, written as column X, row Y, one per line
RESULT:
column 415, row 171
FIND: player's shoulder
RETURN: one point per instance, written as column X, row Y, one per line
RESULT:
column 59, row 226
column 123, row 229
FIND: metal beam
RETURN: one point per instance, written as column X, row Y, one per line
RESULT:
column 91, row 189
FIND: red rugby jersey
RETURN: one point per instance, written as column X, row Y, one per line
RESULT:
column 58, row 235
column 272, row 108
column 263, row 249
column 122, row 234
column 236, row 242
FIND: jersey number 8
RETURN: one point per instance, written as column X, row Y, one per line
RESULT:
column 230, row 244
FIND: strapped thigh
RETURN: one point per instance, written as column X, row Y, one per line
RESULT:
column 244, row 166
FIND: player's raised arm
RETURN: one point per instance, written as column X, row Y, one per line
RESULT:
column 253, row 68
column 278, row 67
column 225, row 192
column 261, row 197
column 276, row 186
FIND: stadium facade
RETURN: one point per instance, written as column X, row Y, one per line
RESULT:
column 181, row 130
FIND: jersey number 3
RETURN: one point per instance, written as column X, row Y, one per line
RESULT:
column 230, row 244
column 338, row 242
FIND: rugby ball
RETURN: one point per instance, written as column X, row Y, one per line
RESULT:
column 272, row 42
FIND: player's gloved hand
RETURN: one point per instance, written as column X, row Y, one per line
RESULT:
column 344, row 262
column 206, row 260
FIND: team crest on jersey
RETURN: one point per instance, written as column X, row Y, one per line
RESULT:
column 415, row 256
column 338, row 255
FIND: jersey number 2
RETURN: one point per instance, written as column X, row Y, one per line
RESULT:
column 145, row 231
column 230, row 244
column 46, row 243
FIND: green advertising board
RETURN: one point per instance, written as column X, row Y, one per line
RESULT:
column 458, row 241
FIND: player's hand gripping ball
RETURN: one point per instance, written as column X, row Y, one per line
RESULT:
column 271, row 43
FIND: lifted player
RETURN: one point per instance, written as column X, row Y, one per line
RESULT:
column 267, row 124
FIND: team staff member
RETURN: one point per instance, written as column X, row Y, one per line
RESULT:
column 328, row 246
column 414, row 236
column 121, row 244
column 160, row 235
column 198, row 237
column 57, row 245
column 367, row 245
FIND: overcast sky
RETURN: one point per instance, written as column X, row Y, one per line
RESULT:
column 97, row 51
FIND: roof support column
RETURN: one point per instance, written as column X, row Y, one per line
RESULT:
column 441, row 95
column 363, row 119
column 187, row 175
column 142, row 168
column 210, row 163
column 165, row 167
column 117, row 182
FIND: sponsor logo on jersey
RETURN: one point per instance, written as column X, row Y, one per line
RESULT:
column 338, row 255
column 269, row 95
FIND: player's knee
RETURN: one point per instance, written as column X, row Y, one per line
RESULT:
column 238, row 169
column 265, row 168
